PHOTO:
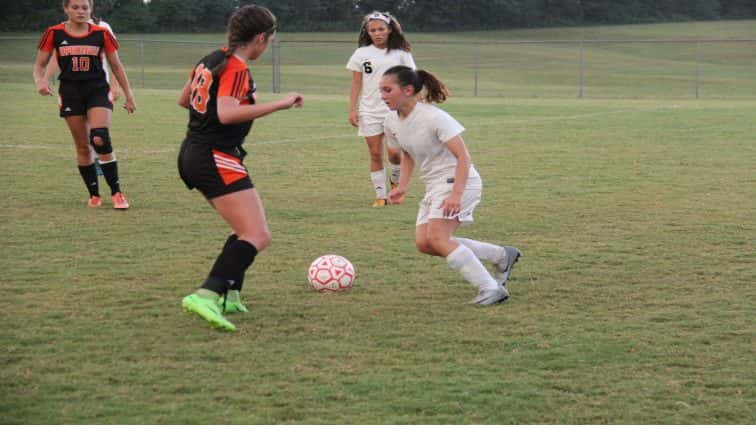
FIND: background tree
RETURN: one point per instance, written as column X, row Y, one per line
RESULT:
column 344, row 15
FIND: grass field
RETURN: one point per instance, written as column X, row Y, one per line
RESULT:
column 633, row 304
column 617, row 61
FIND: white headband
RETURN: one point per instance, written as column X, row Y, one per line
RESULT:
column 379, row 16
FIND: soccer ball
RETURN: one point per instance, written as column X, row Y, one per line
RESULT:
column 330, row 273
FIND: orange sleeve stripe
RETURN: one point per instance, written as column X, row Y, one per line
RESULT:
column 111, row 44
column 45, row 44
column 232, row 81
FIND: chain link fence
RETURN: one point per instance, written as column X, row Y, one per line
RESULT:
column 722, row 69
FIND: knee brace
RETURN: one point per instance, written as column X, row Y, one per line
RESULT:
column 104, row 147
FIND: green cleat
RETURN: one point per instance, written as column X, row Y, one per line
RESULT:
column 208, row 310
column 232, row 306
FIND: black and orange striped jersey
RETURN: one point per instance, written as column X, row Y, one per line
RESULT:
column 234, row 81
column 79, row 56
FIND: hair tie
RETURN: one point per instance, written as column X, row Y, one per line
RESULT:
column 379, row 17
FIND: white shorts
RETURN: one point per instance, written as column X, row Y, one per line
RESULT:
column 434, row 196
column 370, row 125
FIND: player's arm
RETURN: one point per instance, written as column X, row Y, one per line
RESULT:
column 354, row 95
column 452, row 204
column 407, row 165
column 231, row 111
column 186, row 92
column 115, row 88
column 120, row 75
column 52, row 68
column 40, row 64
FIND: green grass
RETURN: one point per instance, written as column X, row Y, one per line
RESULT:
column 477, row 62
column 633, row 303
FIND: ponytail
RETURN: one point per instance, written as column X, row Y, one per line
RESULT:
column 244, row 24
column 435, row 90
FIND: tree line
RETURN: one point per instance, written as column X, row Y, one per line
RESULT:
column 344, row 15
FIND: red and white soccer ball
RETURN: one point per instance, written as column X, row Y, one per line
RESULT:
column 331, row 273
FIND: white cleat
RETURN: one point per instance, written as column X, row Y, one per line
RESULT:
column 488, row 297
column 505, row 265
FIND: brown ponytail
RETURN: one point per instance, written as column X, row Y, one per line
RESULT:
column 435, row 90
column 245, row 23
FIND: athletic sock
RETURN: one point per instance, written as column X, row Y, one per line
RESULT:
column 230, row 266
column 395, row 171
column 239, row 281
column 379, row 183
column 89, row 175
column 110, row 171
column 463, row 261
column 483, row 250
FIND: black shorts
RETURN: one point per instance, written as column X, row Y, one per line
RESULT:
column 213, row 171
column 77, row 97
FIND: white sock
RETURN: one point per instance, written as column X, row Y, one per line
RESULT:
column 379, row 183
column 483, row 250
column 395, row 169
column 464, row 262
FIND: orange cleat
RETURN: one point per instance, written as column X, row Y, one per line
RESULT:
column 378, row 203
column 120, row 202
column 94, row 202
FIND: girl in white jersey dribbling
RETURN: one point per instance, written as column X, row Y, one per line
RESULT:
column 431, row 139
column 381, row 46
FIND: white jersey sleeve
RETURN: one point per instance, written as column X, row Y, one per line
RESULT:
column 446, row 126
column 355, row 61
column 408, row 60
column 105, row 65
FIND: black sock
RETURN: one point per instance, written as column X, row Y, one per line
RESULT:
column 89, row 175
column 239, row 281
column 110, row 171
column 230, row 266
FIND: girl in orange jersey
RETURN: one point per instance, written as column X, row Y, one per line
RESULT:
column 84, row 93
column 220, row 97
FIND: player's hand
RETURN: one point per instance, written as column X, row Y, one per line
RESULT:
column 293, row 99
column 130, row 105
column 452, row 205
column 396, row 194
column 354, row 119
column 43, row 88
column 115, row 93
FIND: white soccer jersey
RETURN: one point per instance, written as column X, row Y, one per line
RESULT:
column 423, row 135
column 372, row 62
column 104, row 58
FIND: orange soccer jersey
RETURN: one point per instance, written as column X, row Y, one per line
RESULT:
column 79, row 56
column 234, row 81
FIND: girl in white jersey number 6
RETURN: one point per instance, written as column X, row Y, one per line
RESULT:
column 431, row 139
column 381, row 46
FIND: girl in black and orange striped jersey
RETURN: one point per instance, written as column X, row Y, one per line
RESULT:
column 220, row 96
column 84, row 97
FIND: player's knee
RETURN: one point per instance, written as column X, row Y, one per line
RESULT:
column 99, row 138
column 423, row 247
column 436, row 242
column 376, row 156
column 261, row 239
column 83, row 150
column 395, row 157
